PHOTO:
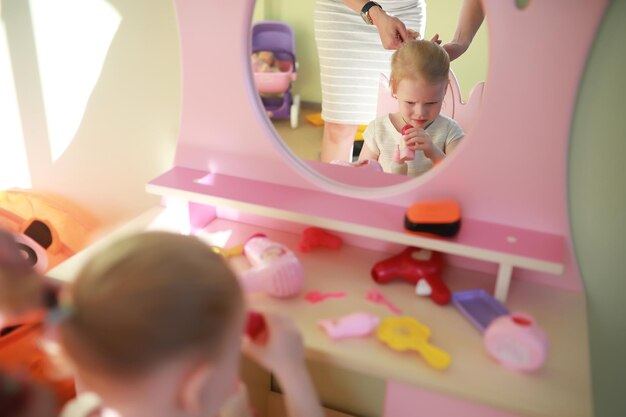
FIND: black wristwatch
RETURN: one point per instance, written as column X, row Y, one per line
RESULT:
column 365, row 11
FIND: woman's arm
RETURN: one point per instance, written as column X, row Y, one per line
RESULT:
column 470, row 19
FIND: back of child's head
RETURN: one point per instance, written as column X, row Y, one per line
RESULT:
column 419, row 60
column 147, row 299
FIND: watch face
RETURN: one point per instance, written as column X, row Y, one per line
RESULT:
column 366, row 17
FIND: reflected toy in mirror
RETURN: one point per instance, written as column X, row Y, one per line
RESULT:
column 315, row 237
column 403, row 153
column 275, row 269
column 414, row 265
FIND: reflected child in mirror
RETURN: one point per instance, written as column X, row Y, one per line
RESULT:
column 154, row 327
column 418, row 136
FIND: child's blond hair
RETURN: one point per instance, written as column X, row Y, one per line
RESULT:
column 149, row 298
column 419, row 60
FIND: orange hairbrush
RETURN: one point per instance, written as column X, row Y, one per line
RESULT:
column 439, row 217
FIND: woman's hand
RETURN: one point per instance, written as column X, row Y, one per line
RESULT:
column 391, row 30
column 417, row 139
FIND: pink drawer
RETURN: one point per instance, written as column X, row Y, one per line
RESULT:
column 403, row 400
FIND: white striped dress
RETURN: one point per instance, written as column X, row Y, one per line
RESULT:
column 352, row 57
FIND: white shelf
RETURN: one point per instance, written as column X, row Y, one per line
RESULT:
column 506, row 246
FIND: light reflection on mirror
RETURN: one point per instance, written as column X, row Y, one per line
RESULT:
column 294, row 104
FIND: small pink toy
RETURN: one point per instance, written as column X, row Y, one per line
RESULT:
column 313, row 237
column 378, row 297
column 352, row 325
column 275, row 269
column 314, row 297
column 403, row 153
column 517, row 342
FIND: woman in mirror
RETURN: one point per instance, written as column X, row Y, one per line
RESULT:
column 354, row 50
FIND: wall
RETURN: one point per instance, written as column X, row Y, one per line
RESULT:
column 128, row 130
column 442, row 15
column 597, row 198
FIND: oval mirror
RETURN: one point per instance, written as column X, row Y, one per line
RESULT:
column 289, row 39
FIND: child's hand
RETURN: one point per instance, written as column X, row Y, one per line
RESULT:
column 283, row 351
column 417, row 139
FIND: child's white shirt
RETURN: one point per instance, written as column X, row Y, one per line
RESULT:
column 382, row 138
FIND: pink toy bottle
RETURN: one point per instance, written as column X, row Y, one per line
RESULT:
column 517, row 342
column 275, row 269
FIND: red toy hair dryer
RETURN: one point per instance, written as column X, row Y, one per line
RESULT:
column 414, row 265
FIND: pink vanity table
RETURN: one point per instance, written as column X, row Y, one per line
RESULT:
column 232, row 178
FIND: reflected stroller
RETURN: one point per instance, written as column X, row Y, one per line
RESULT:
column 274, row 69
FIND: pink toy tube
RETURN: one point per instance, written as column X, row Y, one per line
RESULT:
column 275, row 269
column 352, row 325
column 517, row 342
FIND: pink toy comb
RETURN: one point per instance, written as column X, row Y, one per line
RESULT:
column 313, row 237
column 377, row 297
column 314, row 297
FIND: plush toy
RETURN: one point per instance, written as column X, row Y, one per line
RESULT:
column 264, row 61
column 37, row 232
column 48, row 228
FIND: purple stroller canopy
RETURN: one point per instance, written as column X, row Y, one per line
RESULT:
column 274, row 36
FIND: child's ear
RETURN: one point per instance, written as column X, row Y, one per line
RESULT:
column 193, row 388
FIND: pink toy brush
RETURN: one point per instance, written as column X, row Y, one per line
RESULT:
column 314, row 237
column 275, row 269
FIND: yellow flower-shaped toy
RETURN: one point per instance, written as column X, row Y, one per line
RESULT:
column 406, row 333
